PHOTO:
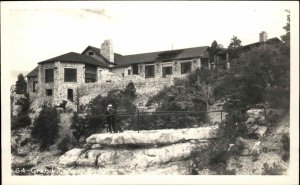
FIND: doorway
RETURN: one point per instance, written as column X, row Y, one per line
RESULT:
column 70, row 94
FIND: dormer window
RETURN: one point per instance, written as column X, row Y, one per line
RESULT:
column 90, row 53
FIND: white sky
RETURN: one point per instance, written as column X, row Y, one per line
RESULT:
column 38, row 31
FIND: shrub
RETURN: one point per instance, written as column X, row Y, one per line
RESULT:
column 65, row 144
column 285, row 140
column 234, row 126
column 24, row 102
column 95, row 120
column 276, row 169
column 20, row 121
column 21, row 85
column 78, row 125
column 46, row 127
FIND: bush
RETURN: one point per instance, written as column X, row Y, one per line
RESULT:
column 285, row 140
column 46, row 127
column 95, row 120
column 276, row 169
column 65, row 144
column 21, row 85
column 20, row 121
column 234, row 126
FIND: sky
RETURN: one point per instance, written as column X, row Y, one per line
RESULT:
column 36, row 31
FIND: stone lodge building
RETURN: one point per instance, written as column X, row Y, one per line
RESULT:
column 58, row 78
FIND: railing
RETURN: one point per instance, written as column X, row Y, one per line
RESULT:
column 141, row 120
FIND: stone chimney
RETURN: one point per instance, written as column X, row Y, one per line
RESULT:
column 263, row 36
column 107, row 50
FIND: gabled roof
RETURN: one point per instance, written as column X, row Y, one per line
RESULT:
column 77, row 58
column 126, row 60
column 33, row 73
column 97, row 51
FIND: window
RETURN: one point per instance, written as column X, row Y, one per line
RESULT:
column 49, row 92
column 167, row 71
column 123, row 75
column 135, row 69
column 70, row 94
column 186, row 67
column 70, row 75
column 49, row 75
column 129, row 72
column 34, row 86
column 149, row 71
column 90, row 78
column 90, row 53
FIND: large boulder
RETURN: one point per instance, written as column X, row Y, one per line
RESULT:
column 158, row 137
column 70, row 157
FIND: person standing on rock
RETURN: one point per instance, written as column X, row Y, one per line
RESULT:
column 110, row 118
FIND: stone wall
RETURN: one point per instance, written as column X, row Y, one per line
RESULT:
column 59, row 86
column 30, row 81
column 144, row 87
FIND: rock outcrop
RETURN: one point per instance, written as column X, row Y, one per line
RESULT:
column 158, row 137
column 133, row 150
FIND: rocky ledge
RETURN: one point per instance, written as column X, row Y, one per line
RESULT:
column 139, row 150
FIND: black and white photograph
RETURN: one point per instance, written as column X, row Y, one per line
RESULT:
column 195, row 90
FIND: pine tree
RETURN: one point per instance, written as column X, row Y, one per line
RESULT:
column 235, row 47
column 286, row 38
column 21, row 85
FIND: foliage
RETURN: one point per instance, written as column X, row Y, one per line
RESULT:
column 235, row 47
column 212, row 50
column 21, row 86
column 24, row 102
column 22, row 119
column 261, row 76
column 286, row 38
column 285, row 140
column 214, row 158
column 234, row 125
column 78, row 125
column 95, row 120
column 65, row 144
column 130, row 90
column 46, row 126
column 275, row 169
column 192, row 94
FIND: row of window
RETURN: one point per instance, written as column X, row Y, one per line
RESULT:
column 168, row 70
column 69, row 76
column 70, row 93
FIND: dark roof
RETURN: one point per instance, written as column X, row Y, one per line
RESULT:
column 34, row 72
column 127, row 60
column 256, row 44
column 97, row 51
column 77, row 58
